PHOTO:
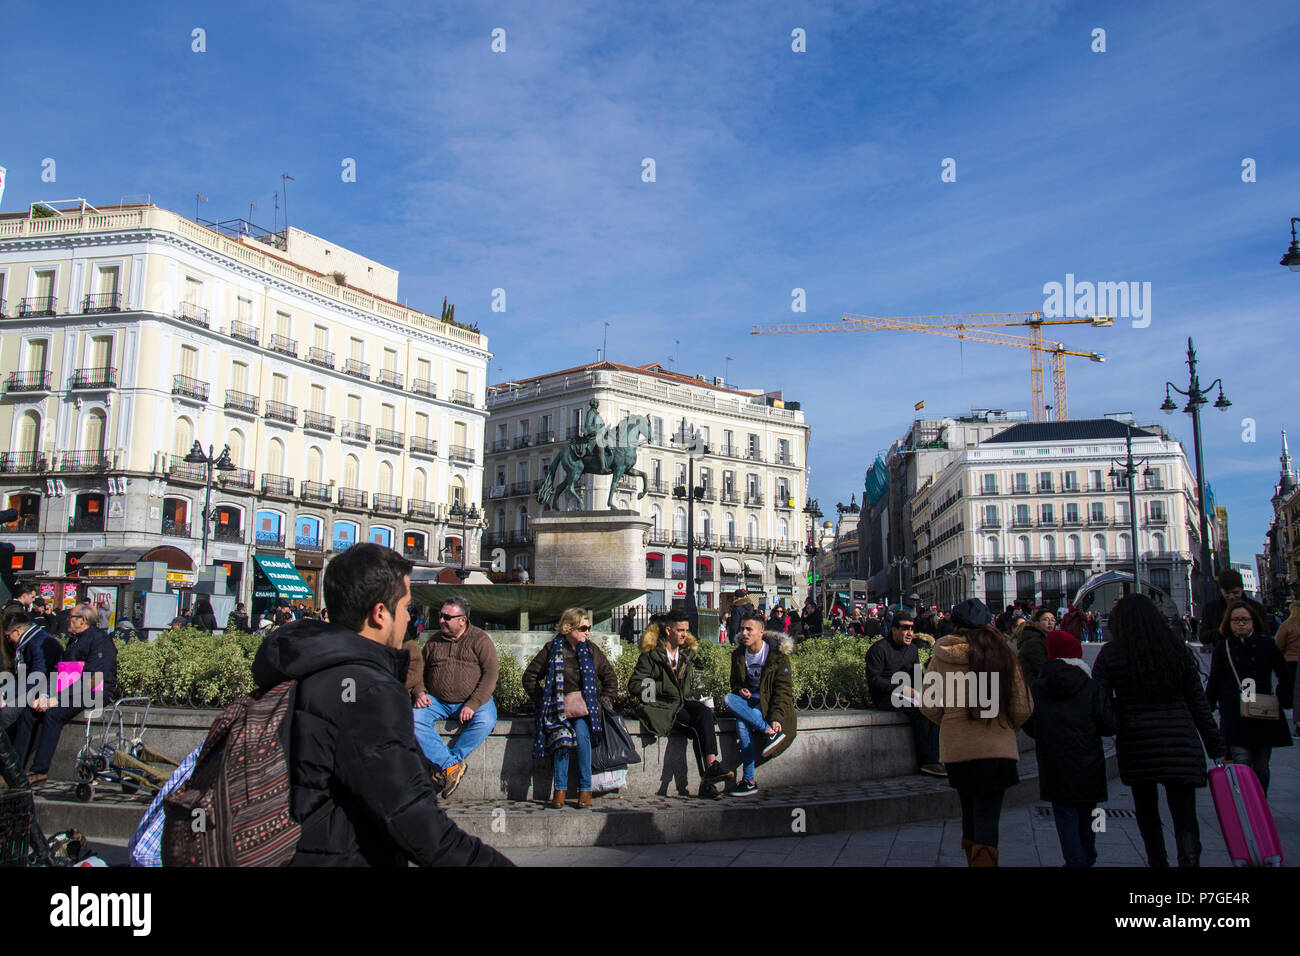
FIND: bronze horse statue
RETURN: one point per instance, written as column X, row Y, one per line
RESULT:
column 583, row 456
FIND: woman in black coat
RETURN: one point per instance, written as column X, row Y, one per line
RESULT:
column 1163, row 720
column 1255, row 657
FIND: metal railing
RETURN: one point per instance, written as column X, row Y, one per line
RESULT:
column 352, row 498
column 35, row 306
column 501, row 444
column 318, row 421
column 28, row 382
column 523, row 441
column 175, row 529
column 269, row 539
column 243, row 331
column 281, row 412
column 388, row 377
column 461, row 453
column 303, row 542
column 24, row 523
column 521, row 537
column 356, row 431
column 546, row 437
column 422, row 386
column 84, row 461
column 419, row 553
column 241, row 401
column 520, row 488
column 87, row 523
column 495, row 539
column 389, row 503
column 387, row 438
column 314, row 491
column 277, row 485
column 423, row 446
column 229, row 533
column 461, row 397
column 239, row 478
column 20, row 461
column 94, row 378
column 182, row 470
column 356, row 368
column 319, row 356
column 190, row 387
column 753, row 500
column 193, row 314
column 421, row 508
column 102, row 302
column 283, row 344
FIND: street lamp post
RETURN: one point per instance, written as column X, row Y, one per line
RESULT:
column 691, row 442
column 898, row 562
column 814, row 514
column 465, row 516
column 221, row 463
column 1292, row 258
column 1195, row 399
column 1128, row 468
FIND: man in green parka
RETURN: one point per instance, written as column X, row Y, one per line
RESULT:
column 666, row 690
column 762, row 697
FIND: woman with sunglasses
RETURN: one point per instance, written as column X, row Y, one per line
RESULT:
column 569, row 680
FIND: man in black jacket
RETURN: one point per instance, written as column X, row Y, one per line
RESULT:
column 1231, row 588
column 360, row 786
column 897, row 655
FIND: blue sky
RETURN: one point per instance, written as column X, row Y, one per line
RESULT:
column 775, row 170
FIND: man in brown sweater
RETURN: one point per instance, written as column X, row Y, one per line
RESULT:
column 460, row 674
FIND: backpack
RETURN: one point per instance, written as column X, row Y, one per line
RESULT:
column 234, row 809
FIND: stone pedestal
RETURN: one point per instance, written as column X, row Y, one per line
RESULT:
column 595, row 548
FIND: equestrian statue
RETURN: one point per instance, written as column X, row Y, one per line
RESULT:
column 598, row 450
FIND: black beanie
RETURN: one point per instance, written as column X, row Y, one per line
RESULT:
column 971, row 613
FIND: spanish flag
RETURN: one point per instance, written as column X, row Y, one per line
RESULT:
column 919, row 405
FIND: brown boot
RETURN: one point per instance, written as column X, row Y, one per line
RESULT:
column 557, row 800
column 982, row 855
column 965, row 848
column 584, row 799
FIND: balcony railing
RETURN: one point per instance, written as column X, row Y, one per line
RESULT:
column 495, row 539
column 228, row 533
column 277, row 485
column 783, row 502
column 729, row 497
column 415, row 552
column 306, row 542
column 523, row 441
column 546, row 437
column 245, row 333
column 521, row 537
column 501, row 444
column 658, row 536
column 25, row 523
column 181, row 470
column 729, row 451
column 356, row 368
column 389, row 503
column 12, row 462
column 84, row 461
column 356, row 431
column 352, row 498
column 387, row 438
column 988, row 491
column 269, row 539
column 520, row 488
column 94, row 378
column 314, row 491
column 342, row 544
column 175, row 529
column 423, row 446
column 102, row 302
column 193, row 314
column 388, row 377
column 1022, row 522
column 1072, row 521
column 990, row 524
column 281, row 412
column 284, row 345
column 418, row 507
column 35, row 306
column 28, row 382
column 87, row 523
column 572, row 431
column 1157, row 519
column 656, row 486
column 461, row 453
column 422, row 386
column 753, row 454
column 462, row 397
column 755, row 544
column 238, row 401
column 320, row 357
column 239, row 478
column 190, row 387
column 753, row 500
column 318, row 421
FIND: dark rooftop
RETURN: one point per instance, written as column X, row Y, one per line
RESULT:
column 1089, row 429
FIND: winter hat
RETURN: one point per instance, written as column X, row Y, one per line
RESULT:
column 971, row 613
column 1063, row 644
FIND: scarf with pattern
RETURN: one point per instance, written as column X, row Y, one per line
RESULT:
column 553, row 730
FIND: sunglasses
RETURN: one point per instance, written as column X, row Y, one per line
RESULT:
column 449, row 617
column 585, row 627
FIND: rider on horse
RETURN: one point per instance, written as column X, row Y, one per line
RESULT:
column 594, row 428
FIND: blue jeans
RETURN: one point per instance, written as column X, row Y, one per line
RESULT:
column 581, row 730
column 471, row 735
column 749, row 721
column 1074, row 829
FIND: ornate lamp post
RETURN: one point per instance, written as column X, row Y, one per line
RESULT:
column 465, row 516
column 899, row 562
column 814, row 514
column 1195, row 399
column 1128, row 468
column 221, row 463
column 1292, row 258
column 689, row 439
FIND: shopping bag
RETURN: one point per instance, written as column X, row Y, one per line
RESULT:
column 615, row 749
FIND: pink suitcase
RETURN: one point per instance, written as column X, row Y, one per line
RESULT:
column 1244, row 817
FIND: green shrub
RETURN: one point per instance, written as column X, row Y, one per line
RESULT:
column 188, row 667
column 509, row 695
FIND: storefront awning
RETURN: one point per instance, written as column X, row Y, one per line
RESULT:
column 276, row 577
column 785, row 569
column 118, row 564
column 753, row 567
column 729, row 565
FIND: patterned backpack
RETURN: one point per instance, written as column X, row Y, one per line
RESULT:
column 234, row 809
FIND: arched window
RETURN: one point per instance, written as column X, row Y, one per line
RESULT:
column 1073, row 548
column 783, row 531
column 29, row 433
column 306, row 532
column 991, row 553
column 275, row 456
column 95, row 430
column 993, row 589
column 729, row 522
column 458, row 491
column 385, row 483
column 1125, row 546
column 706, row 524
column 1049, row 548
column 269, row 529
column 1025, row 586
column 182, row 438
column 236, row 442
column 656, row 519
column 420, row 485
column 414, row 546
column 1022, row 549
column 381, row 535
column 500, row 525
column 751, row 531
column 345, row 535
column 679, row 524
column 1099, row 546
column 176, row 517
column 521, row 519
column 351, row 471
column 1158, row 545
column 315, row 465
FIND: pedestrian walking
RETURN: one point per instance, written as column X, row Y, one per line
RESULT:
column 1164, row 719
column 977, row 738
column 1288, row 642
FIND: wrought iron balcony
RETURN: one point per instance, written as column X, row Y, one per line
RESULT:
column 729, row 451
column 495, row 539
column 753, row 454
column 175, row 529
column 87, row 523
column 1022, row 522
column 424, row 446
column 388, row 377
column 320, row 357
column 387, row 438
column 356, row 368
column 84, row 461
column 356, row 431
column 755, row 544
column 102, row 302
column 189, row 387
column 783, row 502
column 658, row 536
column 523, row 441
column 35, row 306
column 422, row 386
column 280, row 412
column 416, row 553
column 314, row 491
column 25, row 523
column 284, row 345
column 729, row 497
column 304, row 542
column 420, row 508
column 501, row 444
column 520, row 488
column 277, row 485
column 28, row 382
column 342, row 544
column 239, row 478
column 352, row 498
column 92, row 379
column 754, row 500
column 245, row 333
column 572, row 432
column 521, row 536
column 228, row 533
column 462, row 397
column 546, row 437
column 237, row 401
column 181, row 470
column 269, row 539
column 655, row 486
column 389, row 503
column 990, row 524
column 193, row 314
column 461, row 453
column 318, row 421
column 12, row 462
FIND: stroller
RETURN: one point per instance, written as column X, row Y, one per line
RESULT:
column 120, row 755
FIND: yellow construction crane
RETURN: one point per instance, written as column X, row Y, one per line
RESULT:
column 976, row 327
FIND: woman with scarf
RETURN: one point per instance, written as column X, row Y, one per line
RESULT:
column 569, row 680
